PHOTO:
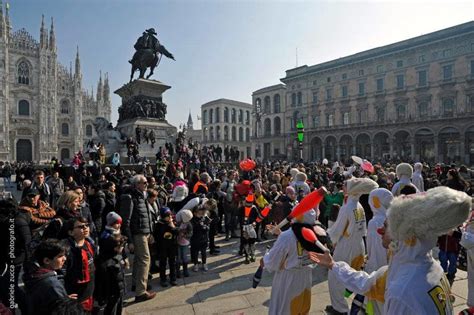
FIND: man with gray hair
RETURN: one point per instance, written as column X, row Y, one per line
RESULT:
column 138, row 227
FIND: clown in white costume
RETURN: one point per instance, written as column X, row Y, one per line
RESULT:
column 417, row 178
column 414, row 282
column 347, row 235
column 404, row 172
column 291, row 286
column 377, row 254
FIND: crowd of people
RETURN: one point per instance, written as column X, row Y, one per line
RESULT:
column 77, row 229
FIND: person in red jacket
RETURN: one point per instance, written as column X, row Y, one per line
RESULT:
column 448, row 245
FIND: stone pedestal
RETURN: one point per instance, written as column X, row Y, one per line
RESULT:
column 143, row 107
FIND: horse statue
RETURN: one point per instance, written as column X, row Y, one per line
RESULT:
column 148, row 54
column 105, row 133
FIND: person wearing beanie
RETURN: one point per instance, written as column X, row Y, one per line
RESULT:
column 166, row 233
column 248, row 235
column 347, row 234
column 417, row 177
column 185, row 231
column 413, row 283
column 114, row 223
column 377, row 255
column 300, row 185
column 404, row 173
column 200, row 238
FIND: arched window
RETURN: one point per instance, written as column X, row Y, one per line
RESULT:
column 247, row 117
column 23, row 73
column 247, row 134
column 330, row 120
column 234, row 134
column 204, row 117
column 276, row 104
column 65, row 107
column 294, row 121
column 346, row 120
column 211, row 116
column 267, row 127
column 218, row 114
column 277, row 125
column 241, row 116
column 23, row 108
column 423, row 109
column 65, row 129
column 241, row 134
column 267, row 105
column 300, row 98
column 233, row 116
column 448, row 107
column 211, row 133
column 89, row 131
column 226, row 114
column 258, row 105
column 218, row 133
column 226, row 133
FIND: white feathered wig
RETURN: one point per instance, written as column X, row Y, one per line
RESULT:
column 404, row 169
column 427, row 215
column 360, row 186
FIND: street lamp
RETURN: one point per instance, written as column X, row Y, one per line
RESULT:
column 300, row 128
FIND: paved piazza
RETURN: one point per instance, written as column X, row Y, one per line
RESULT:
column 227, row 288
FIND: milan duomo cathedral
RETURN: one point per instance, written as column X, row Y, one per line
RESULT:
column 45, row 111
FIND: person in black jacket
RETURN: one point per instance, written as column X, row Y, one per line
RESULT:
column 110, row 276
column 200, row 238
column 110, row 202
column 96, row 198
column 166, row 234
column 138, row 227
column 40, row 184
column 45, row 289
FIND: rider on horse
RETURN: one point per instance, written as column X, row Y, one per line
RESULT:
column 145, row 45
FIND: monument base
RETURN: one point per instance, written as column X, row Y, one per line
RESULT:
column 163, row 131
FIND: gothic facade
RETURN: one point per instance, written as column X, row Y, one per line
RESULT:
column 412, row 100
column 44, row 110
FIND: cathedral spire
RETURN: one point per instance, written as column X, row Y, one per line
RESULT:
column 43, row 34
column 2, row 20
column 100, row 87
column 8, row 26
column 52, row 37
column 78, row 64
column 106, row 87
column 190, row 121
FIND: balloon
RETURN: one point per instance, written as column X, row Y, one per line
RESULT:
column 247, row 165
column 356, row 159
column 367, row 166
column 308, row 203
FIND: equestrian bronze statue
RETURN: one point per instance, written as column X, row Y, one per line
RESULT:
column 148, row 54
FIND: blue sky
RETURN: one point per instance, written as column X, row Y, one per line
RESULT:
column 226, row 49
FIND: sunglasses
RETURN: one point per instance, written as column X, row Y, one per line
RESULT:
column 82, row 226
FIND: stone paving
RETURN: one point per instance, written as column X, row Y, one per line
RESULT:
column 227, row 287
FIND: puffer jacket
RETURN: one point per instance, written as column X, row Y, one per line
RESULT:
column 137, row 218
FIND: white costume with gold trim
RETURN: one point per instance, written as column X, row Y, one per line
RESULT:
column 292, row 281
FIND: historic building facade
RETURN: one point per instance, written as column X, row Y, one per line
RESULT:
column 44, row 110
column 412, row 100
column 227, row 123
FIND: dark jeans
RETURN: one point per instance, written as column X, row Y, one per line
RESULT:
column 168, row 255
column 114, row 305
column 452, row 258
column 195, row 249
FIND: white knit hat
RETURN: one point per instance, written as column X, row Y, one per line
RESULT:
column 428, row 215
